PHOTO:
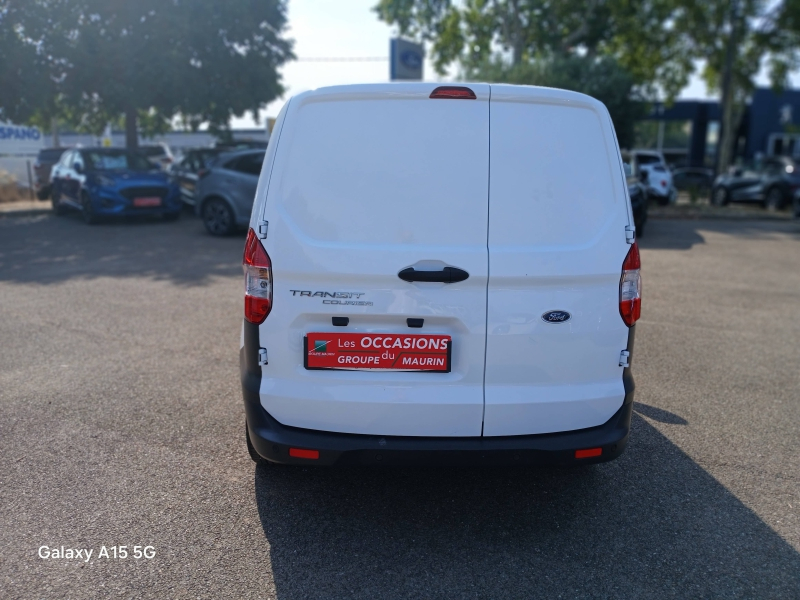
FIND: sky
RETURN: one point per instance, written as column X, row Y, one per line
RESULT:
column 349, row 28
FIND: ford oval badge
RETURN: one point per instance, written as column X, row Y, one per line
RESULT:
column 556, row 316
column 411, row 59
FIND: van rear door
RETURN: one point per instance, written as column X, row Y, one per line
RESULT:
column 369, row 181
column 558, row 209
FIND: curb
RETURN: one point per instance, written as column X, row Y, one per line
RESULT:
column 780, row 218
column 25, row 212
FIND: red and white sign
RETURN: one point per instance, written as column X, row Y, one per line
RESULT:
column 145, row 202
column 378, row 351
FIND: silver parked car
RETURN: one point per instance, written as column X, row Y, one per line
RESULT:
column 225, row 192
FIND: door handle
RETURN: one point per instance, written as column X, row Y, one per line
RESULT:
column 446, row 275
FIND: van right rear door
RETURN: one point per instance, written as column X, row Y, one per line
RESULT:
column 558, row 208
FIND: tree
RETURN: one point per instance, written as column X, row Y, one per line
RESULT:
column 734, row 38
column 152, row 60
column 634, row 33
column 24, row 73
column 601, row 78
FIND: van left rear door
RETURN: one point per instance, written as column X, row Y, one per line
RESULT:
column 369, row 181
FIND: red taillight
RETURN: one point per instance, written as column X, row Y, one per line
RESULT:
column 588, row 453
column 453, row 91
column 257, row 280
column 301, row 453
column 630, row 287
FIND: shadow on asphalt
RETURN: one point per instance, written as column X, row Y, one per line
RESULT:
column 683, row 234
column 651, row 524
column 47, row 249
column 659, row 414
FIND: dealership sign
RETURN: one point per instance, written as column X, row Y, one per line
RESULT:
column 405, row 60
column 19, row 139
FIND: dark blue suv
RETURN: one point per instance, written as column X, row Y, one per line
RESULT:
column 112, row 182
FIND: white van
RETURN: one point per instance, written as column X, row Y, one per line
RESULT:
column 430, row 279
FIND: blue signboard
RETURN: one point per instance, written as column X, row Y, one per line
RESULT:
column 19, row 139
column 406, row 60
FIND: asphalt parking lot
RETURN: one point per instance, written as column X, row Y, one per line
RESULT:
column 121, row 423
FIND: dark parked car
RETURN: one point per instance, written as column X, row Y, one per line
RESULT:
column 771, row 181
column 190, row 168
column 637, row 190
column 240, row 145
column 41, row 170
column 224, row 196
column 112, row 182
column 687, row 178
column 796, row 204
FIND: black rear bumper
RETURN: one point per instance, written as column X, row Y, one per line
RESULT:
column 272, row 440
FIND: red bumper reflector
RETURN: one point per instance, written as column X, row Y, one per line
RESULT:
column 300, row 453
column 588, row 453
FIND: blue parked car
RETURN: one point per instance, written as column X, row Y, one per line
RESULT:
column 104, row 182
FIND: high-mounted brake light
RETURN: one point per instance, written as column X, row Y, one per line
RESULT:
column 453, row 91
column 257, row 280
column 630, row 287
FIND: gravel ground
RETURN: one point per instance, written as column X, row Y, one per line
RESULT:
column 121, row 423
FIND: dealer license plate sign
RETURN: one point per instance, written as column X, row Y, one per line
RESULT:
column 378, row 352
column 147, row 202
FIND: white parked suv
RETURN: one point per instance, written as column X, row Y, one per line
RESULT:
column 650, row 166
column 427, row 279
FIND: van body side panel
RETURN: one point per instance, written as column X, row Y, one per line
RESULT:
column 367, row 181
column 558, row 208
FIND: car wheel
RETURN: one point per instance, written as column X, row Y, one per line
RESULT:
column 774, row 200
column 43, row 194
column 796, row 207
column 218, row 217
column 55, row 199
column 720, row 196
column 89, row 216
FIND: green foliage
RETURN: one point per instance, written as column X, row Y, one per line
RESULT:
column 657, row 41
column 23, row 68
column 637, row 34
column 601, row 78
column 202, row 60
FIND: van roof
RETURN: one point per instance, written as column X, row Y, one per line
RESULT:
column 501, row 91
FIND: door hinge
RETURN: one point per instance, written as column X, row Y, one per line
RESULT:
column 623, row 358
column 263, row 226
column 262, row 356
column 630, row 234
